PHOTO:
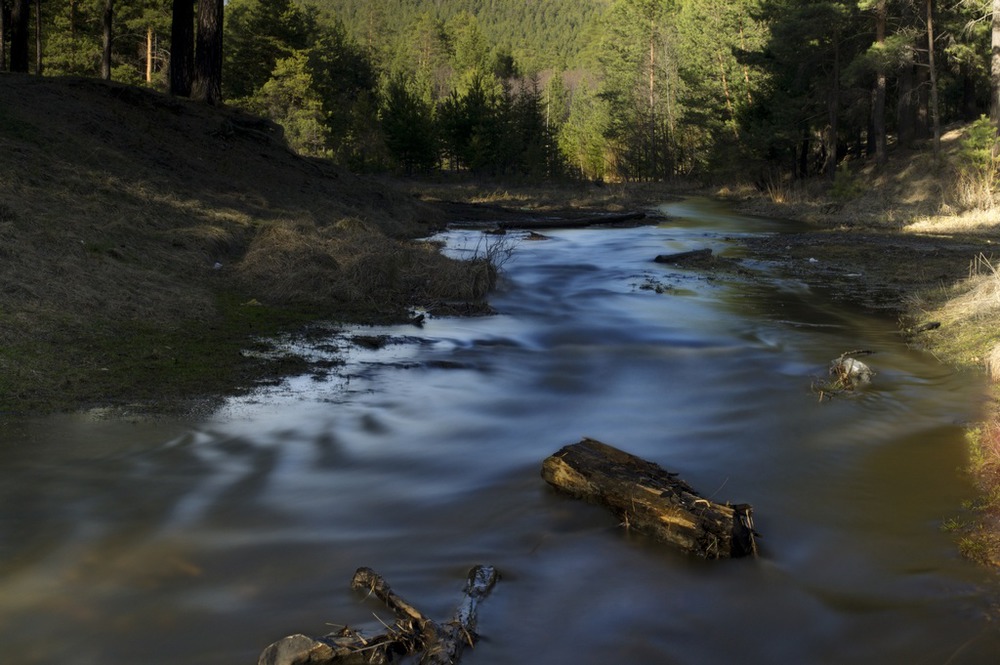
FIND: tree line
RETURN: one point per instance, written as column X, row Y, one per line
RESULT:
column 625, row 89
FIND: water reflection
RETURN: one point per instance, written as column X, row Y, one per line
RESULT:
column 200, row 542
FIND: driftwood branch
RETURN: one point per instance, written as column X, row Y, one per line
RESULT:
column 695, row 258
column 629, row 219
column 651, row 500
column 412, row 632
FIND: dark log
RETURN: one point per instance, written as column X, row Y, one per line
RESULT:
column 631, row 219
column 695, row 257
column 651, row 500
column 410, row 634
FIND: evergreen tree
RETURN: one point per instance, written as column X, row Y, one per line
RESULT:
column 408, row 123
column 640, row 86
column 289, row 98
column 581, row 138
column 258, row 34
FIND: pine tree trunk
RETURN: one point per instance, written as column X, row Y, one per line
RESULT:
column 38, row 37
column 20, row 19
column 108, row 20
column 935, row 109
column 833, row 115
column 181, row 48
column 995, row 67
column 149, row 55
column 4, row 18
column 878, row 103
column 208, row 53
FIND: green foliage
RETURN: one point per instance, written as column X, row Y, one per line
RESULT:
column 581, row 137
column 845, row 185
column 408, row 123
column 616, row 89
column 258, row 34
column 547, row 34
column 978, row 165
column 978, row 150
column 72, row 38
column 290, row 99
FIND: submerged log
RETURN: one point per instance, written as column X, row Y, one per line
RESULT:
column 651, row 500
column 695, row 257
column 629, row 218
column 412, row 633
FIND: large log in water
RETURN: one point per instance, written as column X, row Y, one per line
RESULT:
column 651, row 500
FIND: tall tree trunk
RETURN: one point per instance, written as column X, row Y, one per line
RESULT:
column 181, row 48
column 906, row 107
column 652, row 100
column 935, row 109
column 38, row 37
column 725, row 92
column 4, row 19
column 108, row 20
column 995, row 67
column 878, row 103
column 20, row 20
column 149, row 55
column 833, row 115
column 208, row 52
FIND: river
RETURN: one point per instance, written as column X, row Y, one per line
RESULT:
column 201, row 540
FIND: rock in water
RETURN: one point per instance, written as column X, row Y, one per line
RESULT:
column 851, row 372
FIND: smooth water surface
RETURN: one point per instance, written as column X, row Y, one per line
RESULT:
column 200, row 542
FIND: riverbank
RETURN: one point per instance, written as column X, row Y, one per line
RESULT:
column 152, row 248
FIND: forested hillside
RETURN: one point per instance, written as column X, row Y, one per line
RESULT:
column 541, row 34
column 625, row 90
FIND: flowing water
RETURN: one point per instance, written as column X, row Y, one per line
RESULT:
column 200, row 541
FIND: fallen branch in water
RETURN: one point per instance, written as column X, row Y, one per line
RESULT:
column 412, row 633
column 629, row 218
column 651, row 500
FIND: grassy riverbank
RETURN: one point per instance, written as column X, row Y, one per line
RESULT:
column 150, row 247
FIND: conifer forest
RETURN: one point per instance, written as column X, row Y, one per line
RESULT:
column 621, row 90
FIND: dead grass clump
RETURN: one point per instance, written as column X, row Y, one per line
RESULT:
column 993, row 363
column 284, row 265
column 382, row 269
column 351, row 264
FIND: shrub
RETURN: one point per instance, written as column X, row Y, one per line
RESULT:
column 978, row 166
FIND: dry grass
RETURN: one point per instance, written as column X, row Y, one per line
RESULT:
column 993, row 363
column 977, row 221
